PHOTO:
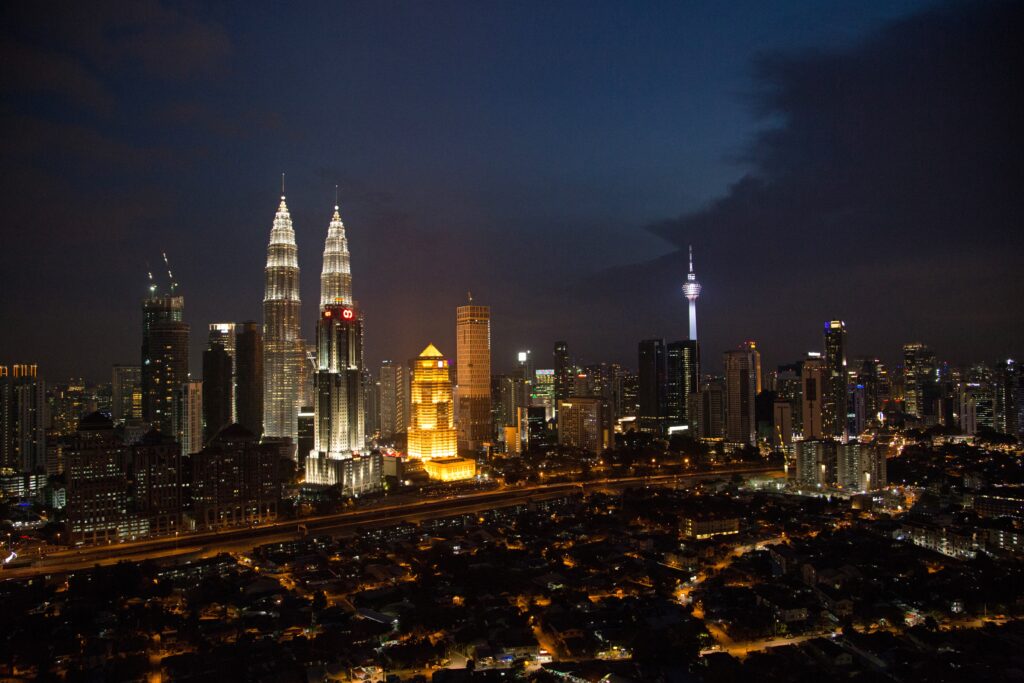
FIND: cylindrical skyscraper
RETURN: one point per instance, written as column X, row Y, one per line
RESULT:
column 282, row 338
column 691, row 290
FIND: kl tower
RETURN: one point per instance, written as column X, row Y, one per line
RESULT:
column 691, row 290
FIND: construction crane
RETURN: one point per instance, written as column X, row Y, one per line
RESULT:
column 170, row 275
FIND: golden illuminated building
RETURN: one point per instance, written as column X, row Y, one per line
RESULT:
column 450, row 469
column 432, row 431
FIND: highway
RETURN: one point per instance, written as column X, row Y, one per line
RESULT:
column 245, row 538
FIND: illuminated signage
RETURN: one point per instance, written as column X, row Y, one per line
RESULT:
column 343, row 313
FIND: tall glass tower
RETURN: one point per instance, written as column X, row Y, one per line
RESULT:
column 282, row 338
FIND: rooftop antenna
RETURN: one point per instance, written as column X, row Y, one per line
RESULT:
column 335, row 197
column 152, row 283
column 282, row 185
column 170, row 275
column 470, row 295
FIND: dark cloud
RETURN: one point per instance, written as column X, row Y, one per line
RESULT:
column 887, row 191
column 31, row 70
column 159, row 39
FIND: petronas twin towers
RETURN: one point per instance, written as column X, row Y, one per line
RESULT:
column 337, row 391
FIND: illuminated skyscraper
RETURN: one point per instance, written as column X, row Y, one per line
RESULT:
column 431, row 429
column 283, row 348
column 473, row 343
column 340, row 422
column 836, row 380
column 691, row 290
column 339, row 436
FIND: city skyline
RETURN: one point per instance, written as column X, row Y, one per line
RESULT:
column 520, row 212
column 661, row 341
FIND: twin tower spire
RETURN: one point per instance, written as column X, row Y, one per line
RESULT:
column 285, row 356
column 282, row 253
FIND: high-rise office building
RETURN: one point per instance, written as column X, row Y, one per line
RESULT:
column 584, row 422
column 682, row 368
column 340, row 418
column 126, row 393
column 187, row 416
column 473, row 375
column 691, row 290
column 249, row 376
column 920, row 382
column 394, row 392
column 432, row 431
column 813, row 376
column 22, row 418
column 283, row 347
column 563, row 372
column 741, row 367
column 836, row 380
column 227, row 336
column 218, row 384
column 340, row 421
column 652, row 380
column 164, row 355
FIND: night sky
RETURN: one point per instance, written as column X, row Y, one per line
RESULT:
column 860, row 160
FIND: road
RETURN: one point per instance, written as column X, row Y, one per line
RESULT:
column 244, row 539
